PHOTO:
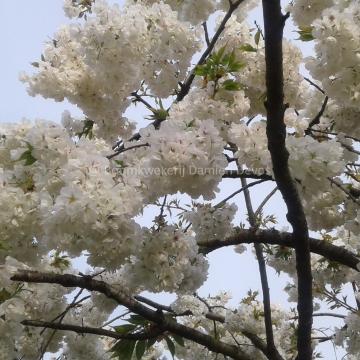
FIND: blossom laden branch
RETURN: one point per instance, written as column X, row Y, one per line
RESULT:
column 274, row 237
column 157, row 317
column 185, row 88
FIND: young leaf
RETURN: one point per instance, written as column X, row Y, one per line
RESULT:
column 137, row 320
column 150, row 343
column 4, row 295
column 248, row 47
column 87, row 129
column 257, row 37
column 218, row 55
column 171, row 346
column 140, row 349
column 124, row 329
column 236, row 66
column 305, row 33
column 27, row 156
column 123, row 349
column 231, row 85
column 179, row 340
column 200, row 70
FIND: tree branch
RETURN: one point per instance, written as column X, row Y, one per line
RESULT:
column 247, row 174
column 274, row 22
column 187, row 84
column 210, row 315
column 316, row 86
column 157, row 317
column 123, row 149
column 95, row 331
column 244, row 188
column 317, row 118
column 185, row 87
column 271, row 350
column 274, row 237
column 206, row 32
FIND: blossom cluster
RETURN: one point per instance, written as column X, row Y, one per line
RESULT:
column 96, row 65
column 66, row 195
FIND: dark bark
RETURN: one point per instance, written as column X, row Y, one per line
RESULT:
column 274, row 237
column 157, row 317
column 274, row 22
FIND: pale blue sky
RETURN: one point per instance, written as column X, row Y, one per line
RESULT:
column 24, row 27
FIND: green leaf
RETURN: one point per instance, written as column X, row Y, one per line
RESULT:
column 160, row 114
column 231, row 85
column 27, row 156
column 151, row 342
column 87, row 129
column 178, row 339
column 3, row 246
column 200, row 70
column 229, row 59
column 4, row 295
column 137, row 320
column 120, row 163
column 305, row 33
column 236, row 66
column 124, row 329
column 190, row 124
column 140, row 349
column 123, row 349
column 60, row 261
column 218, row 55
column 248, row 47
column 171, row 346
column 257, row 37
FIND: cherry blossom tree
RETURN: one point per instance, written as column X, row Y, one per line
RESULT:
column 225, row 103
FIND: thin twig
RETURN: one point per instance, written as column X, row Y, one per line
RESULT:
column 61, row 318
column 264, row 202
column 316, row 86
column 317, row 118
column 222, row 202
column 124, row 149
column 347, row 192
column 207, row 39
column 271, row 350
column 340, row 316
column 335, row 134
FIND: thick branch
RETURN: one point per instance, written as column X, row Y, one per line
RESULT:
column 164, row 323
column 274, row 22
column 274, row 237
